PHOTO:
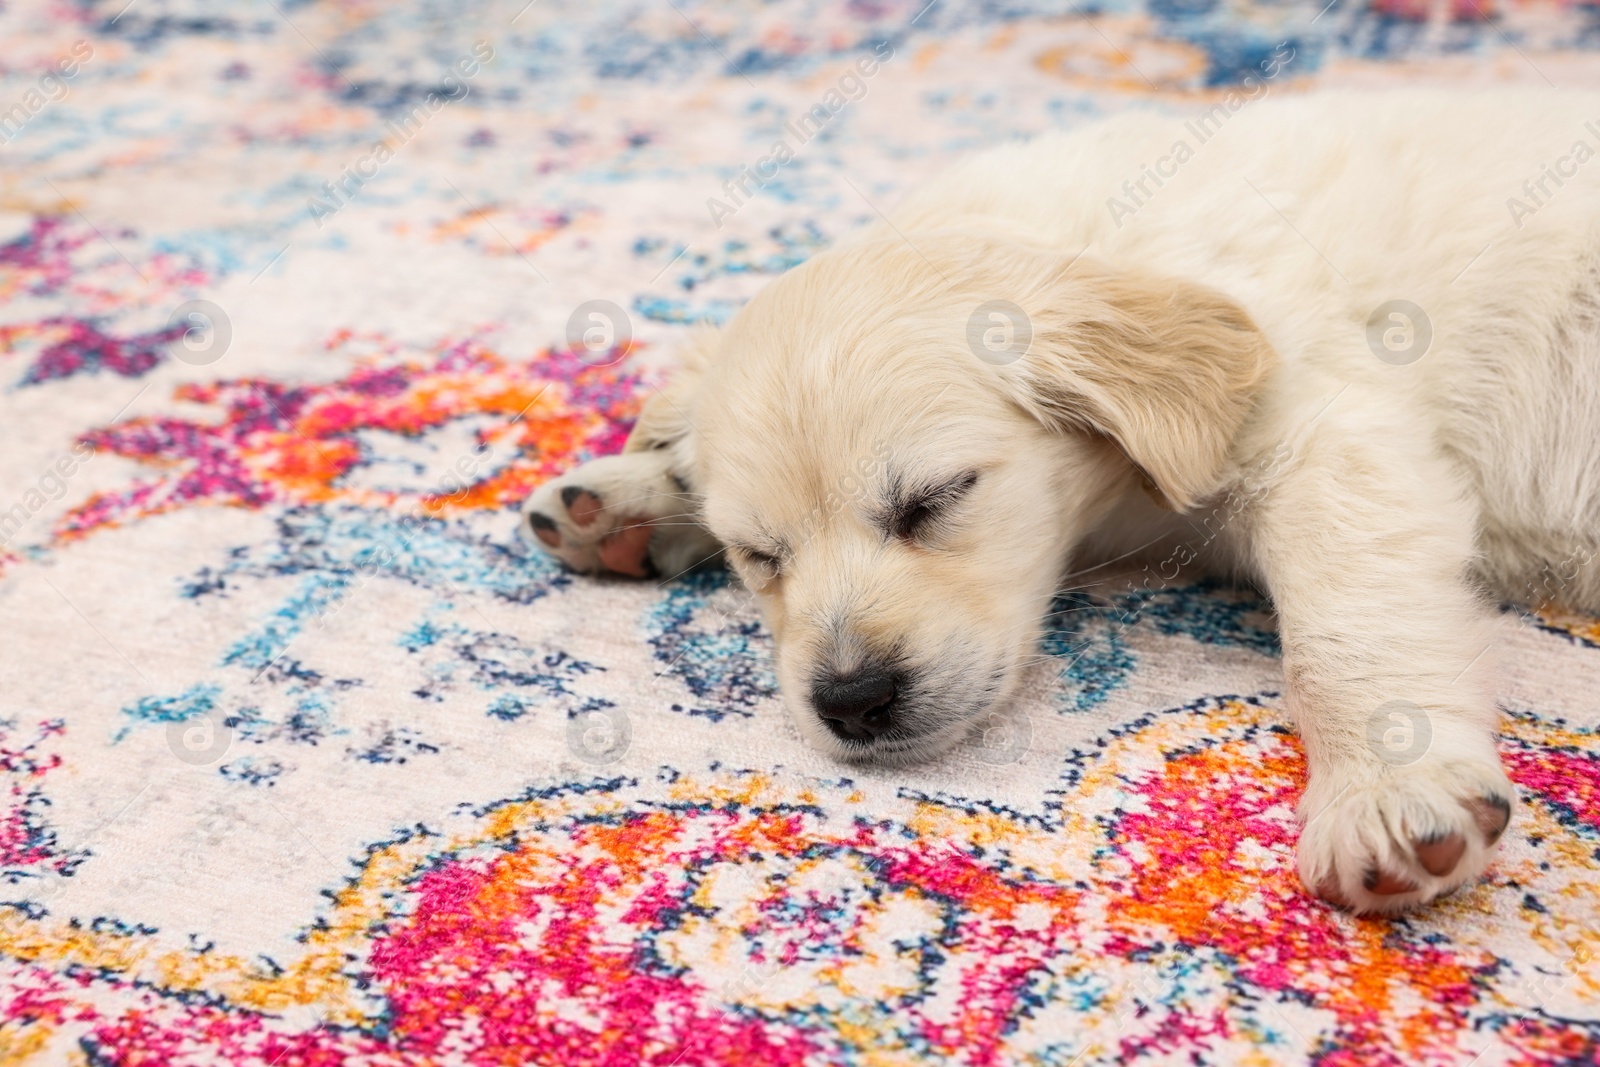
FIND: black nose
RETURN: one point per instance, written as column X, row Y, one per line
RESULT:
column 856, row 708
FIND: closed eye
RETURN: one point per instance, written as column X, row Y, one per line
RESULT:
column 765, row 565
column 912, row 515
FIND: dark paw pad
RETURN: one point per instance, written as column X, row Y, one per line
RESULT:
column 1329, row 890
column 1387, row 885
column 544, row 528
column 1491, row 813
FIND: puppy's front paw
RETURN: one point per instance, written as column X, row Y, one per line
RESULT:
column 1380, row 838
column 622, row 514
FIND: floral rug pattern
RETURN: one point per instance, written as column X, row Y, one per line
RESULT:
column 305, row 759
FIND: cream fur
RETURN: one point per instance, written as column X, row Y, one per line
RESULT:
column 1207, row 355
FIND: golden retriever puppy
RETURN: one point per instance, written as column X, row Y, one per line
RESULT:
column 1354, row 338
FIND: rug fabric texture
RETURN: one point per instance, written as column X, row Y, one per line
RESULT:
column 307, row 759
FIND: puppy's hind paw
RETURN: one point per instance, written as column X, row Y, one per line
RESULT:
column 1380, row 840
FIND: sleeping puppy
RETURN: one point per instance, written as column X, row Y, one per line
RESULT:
column 1350, row 344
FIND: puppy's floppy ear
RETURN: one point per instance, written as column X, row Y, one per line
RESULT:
column 1166, row 368
column 664, row 419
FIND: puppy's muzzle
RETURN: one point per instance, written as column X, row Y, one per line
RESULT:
column 858, row 707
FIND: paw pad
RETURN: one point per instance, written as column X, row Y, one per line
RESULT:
column 1491, row 813
column 582, row 505
column 1387, row 885
column 626, row 514
column 1328, row 890
column 1398, row 837
column 544, row 528
column 628, row 552
column 1440, row 854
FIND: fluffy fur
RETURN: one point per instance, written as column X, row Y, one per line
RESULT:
column 1199, row 371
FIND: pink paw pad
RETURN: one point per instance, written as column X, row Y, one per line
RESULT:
column 582, row 505
column 627, row 551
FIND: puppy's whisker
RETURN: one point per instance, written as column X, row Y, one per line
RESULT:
column 693, row 565
column 652, row 495
column 1115, row 559
column 1044, row 658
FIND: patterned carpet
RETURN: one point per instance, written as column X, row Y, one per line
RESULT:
column 308, row 760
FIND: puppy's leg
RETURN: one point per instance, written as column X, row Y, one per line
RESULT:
column 1365, row 539
column 635, row 514
column 627, row 514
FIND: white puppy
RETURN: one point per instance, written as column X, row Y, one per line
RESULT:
column 1351, row 344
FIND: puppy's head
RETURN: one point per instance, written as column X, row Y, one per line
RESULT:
column 902, row 494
